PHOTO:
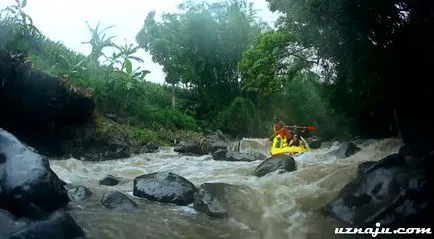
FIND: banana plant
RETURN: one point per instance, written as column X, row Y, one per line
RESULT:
column 113, row 59
column 98, row 42
column 127, row 51
column 137, row 73
column 73, row 69
column 21, row 17
column 132, row 78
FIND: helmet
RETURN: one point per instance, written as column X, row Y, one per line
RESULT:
column 275, row 118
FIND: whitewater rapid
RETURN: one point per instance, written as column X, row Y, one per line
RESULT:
column 272, row 207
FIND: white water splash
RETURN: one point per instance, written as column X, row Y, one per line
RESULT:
column 275, row 206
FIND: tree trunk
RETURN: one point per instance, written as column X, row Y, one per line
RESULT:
column 173, row 97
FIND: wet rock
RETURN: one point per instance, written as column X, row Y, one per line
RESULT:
column 9, row 224
column 209, row 199
column 219, row 155
column 213, row 142
column 110, row 180
column 392, row 191
column 314, row 142
column 189, row 148
column 149, row 148
column 222, row 200
column 79, row 194
column 58, row 225
column 214, row 146
column 118, row 201
column 281, row 163
column 30, row 188
column 228, row 155
column 164, row 187
column 345, row 150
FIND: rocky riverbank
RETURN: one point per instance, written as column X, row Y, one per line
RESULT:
column 59, row 119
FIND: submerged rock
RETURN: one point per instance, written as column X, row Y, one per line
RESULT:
column 281, row 163
column 110, row 180
column 314, row 142
column 228, row 155
column 209, row 199
column 118, row 201
column 30, row 188
column 393, row 192
column 345, row 150
column 223, row 200
column 58, row 225
column 164, row 187
column 79, row 194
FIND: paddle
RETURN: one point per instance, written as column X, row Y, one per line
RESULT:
column 309, row 128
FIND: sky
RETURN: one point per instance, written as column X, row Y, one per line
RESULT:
column 65, row 21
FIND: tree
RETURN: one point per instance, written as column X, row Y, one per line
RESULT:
column 201, row 47
column 376, row 46
column 274, row 59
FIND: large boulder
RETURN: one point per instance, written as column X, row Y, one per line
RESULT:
column 164, row 187
column 205, row 144
column 393, row 192
column 30, row 188
column 213, row 142
column 185, row 147
column 281, row 163
column 228, row 155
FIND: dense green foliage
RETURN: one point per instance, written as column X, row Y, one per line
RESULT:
column 200, row 47
column 376, row 48
column 329, row 63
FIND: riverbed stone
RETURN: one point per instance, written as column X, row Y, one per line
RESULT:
column 109, row 180
column 165, row 187
column 229, row 155
column 118, row 201
column 79, row 194
column 281, row 163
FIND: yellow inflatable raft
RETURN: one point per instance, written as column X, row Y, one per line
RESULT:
column 280, row 146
